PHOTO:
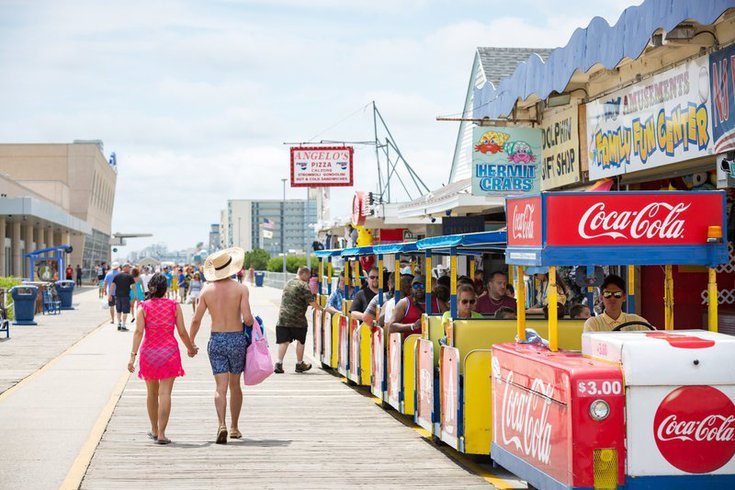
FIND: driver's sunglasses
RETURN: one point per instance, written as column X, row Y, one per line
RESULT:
column 609, row 294
column 372, row 277
column 468, row 301
column 417, row 285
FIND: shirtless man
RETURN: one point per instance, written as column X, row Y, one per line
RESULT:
column 228, row 304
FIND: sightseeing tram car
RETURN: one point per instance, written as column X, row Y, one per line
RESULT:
column 633, row 409
column 322, row 321
column 453, row 385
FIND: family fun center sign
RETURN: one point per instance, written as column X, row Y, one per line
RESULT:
column 505, row 160
column 321, row 166
column 663, row 120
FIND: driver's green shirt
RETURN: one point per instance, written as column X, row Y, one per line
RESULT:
column 603, row 323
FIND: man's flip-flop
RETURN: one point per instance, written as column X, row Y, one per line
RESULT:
column 222, row 435
column 235, row 434
column 165, row 440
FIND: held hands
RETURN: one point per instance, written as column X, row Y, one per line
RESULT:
column 194, row 350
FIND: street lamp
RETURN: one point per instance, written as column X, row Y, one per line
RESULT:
column 283, row 228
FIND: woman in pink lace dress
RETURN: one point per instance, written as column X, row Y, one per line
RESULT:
column 160, row 361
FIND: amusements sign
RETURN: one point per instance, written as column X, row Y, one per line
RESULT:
column 663, row 120
column 321, row 166
column 560, row 148
column 505, row 160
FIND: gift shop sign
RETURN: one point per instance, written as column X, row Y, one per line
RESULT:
column 321, row 166
column 630, row 218
column 665, row 119
column 559, row 148
column 505, row 160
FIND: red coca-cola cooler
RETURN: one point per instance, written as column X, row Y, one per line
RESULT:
column 633, row 410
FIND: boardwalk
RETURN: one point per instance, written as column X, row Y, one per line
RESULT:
column 300, row 431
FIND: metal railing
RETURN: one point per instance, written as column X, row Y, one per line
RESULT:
column 277, row 279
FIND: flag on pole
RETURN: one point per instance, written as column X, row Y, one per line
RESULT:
column 267, row 223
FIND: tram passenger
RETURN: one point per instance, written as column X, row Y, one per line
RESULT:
column 408, row 311
column 466, row 301
column 386, row 313
column 505, row 313
column 372, row 310
column 542, row 292
column 579, row 311
column 496, row 296
column 334, row 302
column 440, row 300
column 613, row 296
column 363, row 297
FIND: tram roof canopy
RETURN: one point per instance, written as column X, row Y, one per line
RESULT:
column 465, row 242
column 396, row 248
column 334, row 252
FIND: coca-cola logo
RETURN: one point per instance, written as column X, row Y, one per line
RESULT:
column 523, row 222
column 524, row 418
column 660, row 220
column 694, row 428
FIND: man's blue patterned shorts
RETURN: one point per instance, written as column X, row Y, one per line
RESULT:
column 227, row 352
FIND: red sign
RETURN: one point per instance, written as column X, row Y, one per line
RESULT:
column 377, row 355
column 425, row 382
column 694, row 428
column 358, row 214
column 354, row 350
column 622, row 218
column 321, row 166
column 343, row 352
column 394, row 369
column 524, row 221
column 449, row 390
column 327, row 336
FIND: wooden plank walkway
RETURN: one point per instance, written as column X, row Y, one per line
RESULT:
column 300, row 431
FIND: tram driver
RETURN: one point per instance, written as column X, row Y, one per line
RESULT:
column 613, row 297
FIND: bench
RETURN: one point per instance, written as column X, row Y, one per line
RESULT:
column 51, row 305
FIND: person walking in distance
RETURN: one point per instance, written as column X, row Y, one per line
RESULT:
column 69, row 273
column 296, row 297
column 109, row 288
column 228, row 304
column 79, row 276
column 160, row 360
column 123, row 284
column 195, row 289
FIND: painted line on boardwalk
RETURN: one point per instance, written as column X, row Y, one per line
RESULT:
column 79, row 468
column 48, row 365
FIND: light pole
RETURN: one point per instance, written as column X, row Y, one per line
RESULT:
column 239, row 233
column 283, row 229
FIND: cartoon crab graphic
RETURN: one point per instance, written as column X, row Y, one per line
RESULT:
column 492, row 142
column 519, row 152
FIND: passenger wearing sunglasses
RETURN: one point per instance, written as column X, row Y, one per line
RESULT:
column 466, row 301
column 613, row 297
column 408, row 311
column 364, row 295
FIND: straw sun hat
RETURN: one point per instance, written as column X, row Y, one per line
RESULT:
column 223, row 264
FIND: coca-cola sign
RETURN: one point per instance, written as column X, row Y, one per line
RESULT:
column 694, row 428
column 524, row 418
column 635, row 218
column 524, row 221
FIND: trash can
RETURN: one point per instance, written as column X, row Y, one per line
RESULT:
column 65, row 290
column 24, row 304
column 259, row 277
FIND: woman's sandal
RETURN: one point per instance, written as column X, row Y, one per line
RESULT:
column 165, row 440
column 235, row 434
column 152, row 435
column 222, row 435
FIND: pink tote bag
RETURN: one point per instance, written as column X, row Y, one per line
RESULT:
column 258, row 362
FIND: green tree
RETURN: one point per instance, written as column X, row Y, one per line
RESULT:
column 258, row 258
column 275, row 264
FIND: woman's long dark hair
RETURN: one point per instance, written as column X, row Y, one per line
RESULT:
column 157, row 286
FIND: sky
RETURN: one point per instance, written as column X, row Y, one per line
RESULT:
column 197, row 98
